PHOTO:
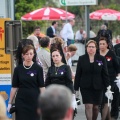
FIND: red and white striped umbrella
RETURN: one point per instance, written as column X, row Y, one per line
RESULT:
column 48, row 13
column 105, row 14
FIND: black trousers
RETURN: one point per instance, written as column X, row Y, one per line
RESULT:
column 115, row 101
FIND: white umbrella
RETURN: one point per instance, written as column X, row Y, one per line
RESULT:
column 105, row 14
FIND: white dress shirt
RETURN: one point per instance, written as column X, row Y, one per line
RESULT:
column 67, row 32
column 53, row 30
column 79, row 36
column 69, row 62
column 92, row 34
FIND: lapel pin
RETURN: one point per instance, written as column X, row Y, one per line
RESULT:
column 99, row 64
column 32, row 74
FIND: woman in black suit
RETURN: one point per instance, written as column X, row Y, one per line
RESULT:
column 113, row 70
column 91, row 76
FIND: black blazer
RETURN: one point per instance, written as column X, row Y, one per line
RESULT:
column 116, row 47
column 50, row 32
column 83, row 75
column 112, row 65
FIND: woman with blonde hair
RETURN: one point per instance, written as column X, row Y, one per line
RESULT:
column 2, row 109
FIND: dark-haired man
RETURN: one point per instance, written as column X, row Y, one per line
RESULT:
column 44, row 54
column 51, row 31
column 37, row 32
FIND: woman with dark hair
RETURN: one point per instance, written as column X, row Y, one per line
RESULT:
column 113, row 71
column 58, row 43
column 27, row 84
column 21, row 44
column 60, row 73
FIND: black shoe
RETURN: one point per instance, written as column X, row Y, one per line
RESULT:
column 74, row 113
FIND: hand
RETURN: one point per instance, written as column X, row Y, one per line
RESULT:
column 109, row 88
column 8, row 108
column 68, row 55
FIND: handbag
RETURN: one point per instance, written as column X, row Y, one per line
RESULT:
column 12, row 109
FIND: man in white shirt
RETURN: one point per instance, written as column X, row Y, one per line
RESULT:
column 80, row 35
column 67, row 32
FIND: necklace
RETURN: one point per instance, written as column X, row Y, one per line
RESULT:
column 27, row 67
column 56, row 70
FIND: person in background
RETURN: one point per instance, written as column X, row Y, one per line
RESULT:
column 60, row 74
column 35, row 42
column 104, row 32
column 92, row 34
column 62, row 30
column 91, row 76
column 67, row 32
column 27, row 84
column 37, row 48
column 58, row 43
column 37, row 32
column 71, row 51
column 51, row 31
column 109, row 31
column 55, row 103
column 2, row 109
column 80, row 36
column 113, row 70
column 44, row 54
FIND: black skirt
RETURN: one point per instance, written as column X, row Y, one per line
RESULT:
column 26, row 104
column 91, row 96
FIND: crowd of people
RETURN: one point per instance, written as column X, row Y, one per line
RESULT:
column 44, row 67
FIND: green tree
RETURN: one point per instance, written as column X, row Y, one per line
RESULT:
column 25, row 6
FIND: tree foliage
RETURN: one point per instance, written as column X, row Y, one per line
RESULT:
column 25, row 6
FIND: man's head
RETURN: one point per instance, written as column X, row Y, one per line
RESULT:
column 54, row 24
column 55, row 103
column 81, row 30
column 106, row 24
column 37, row 31
column 45, row 42
column 72, row 49
column 72, row 22
column 103, row 27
